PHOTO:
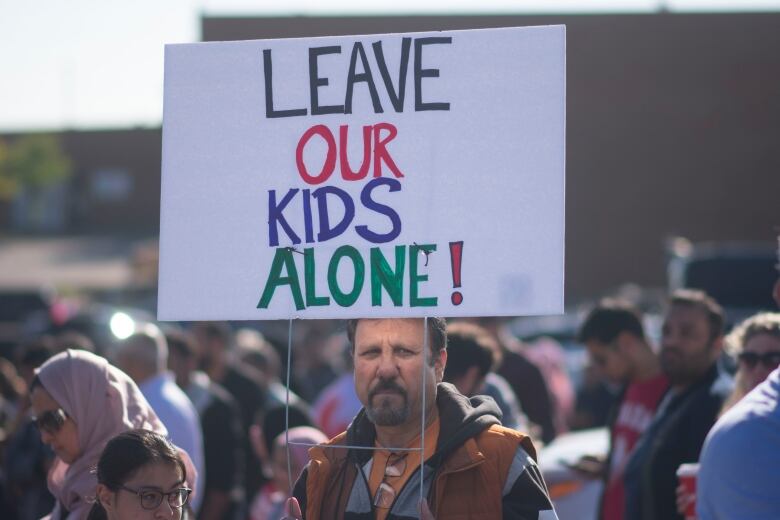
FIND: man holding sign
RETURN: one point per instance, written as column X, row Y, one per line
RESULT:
column 474, row 467
column 382, row 176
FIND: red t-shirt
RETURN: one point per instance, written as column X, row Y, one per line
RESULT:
column 634, row 415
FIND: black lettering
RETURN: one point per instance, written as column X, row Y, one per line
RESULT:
column 396, row 97
column 315, row 81
column 420, row 73
column 352, row 78
column 269, row 92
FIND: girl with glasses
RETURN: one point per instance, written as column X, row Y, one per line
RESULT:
column 140, row 476
column 80, row 402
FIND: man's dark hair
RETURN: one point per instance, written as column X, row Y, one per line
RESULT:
column 273, row 421
column 218, row 330
column 437, row 335
column 468, row 345
column 608, row 319
column 704, row 302
column 181, row 342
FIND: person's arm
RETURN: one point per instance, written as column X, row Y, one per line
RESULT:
column 535, row 399
column 525, row 494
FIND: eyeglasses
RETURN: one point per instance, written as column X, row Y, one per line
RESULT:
column 152, row 498
column 51, row 421
column 394, row 468
column 768, row 359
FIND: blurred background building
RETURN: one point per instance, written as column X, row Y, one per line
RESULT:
column 673, row 121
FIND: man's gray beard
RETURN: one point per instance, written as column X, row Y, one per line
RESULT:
column 386, row 415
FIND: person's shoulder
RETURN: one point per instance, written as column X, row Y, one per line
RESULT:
column 221, row 396
column 705, row 400
column 338, row 439
column 517, row 363
column 741, row 440
column 499, row 383
column 504, row 440
column 246, row 380
column 178, row 400
column 721, row 386
column 764, row 399
column 330, row 450
column 222, row 407
column 165, row 394
column 497, row 432
column 747, row 423
column 332, row 444
column 514, row 455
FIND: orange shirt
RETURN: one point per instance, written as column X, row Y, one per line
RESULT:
column 412, row 463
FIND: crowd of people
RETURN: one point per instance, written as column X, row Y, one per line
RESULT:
column 193, row 420
column 679, row 407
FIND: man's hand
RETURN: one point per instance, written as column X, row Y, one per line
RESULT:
column 293, row 510
column 425, row 511
column 590, row 466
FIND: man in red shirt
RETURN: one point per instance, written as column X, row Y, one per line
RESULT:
column 620, row 352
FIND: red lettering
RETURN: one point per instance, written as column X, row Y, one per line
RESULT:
column 330, row 159
column 346, row 172
column 380, row 153
column 380, row 150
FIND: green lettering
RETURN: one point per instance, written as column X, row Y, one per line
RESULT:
column 312, row 300
column 415, row 279
column 383, row 276
column 282, row 259
column 346, row 299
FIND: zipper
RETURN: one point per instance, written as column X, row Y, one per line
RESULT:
column 400, row 491
column 368, row 489
column 416, row 471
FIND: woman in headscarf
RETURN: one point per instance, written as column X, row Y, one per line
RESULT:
column 80, row 401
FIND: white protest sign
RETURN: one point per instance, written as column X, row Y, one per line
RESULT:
column 416, row 174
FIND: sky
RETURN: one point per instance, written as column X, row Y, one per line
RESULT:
column 99, row 63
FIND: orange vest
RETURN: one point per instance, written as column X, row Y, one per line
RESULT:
column 468, row 484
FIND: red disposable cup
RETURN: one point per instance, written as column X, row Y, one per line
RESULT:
column 687, row 474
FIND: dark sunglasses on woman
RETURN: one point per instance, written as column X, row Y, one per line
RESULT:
column 51, row 421
column 768, row 359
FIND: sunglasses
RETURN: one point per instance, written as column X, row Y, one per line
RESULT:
column 152, row 498
column 51, row 421
column 394, row 467
column 768, row 359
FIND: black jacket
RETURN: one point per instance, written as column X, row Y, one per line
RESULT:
column 675, row 437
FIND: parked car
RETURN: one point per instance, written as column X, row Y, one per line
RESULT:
column 739, row 275
column 105, row 325
column 22, row 313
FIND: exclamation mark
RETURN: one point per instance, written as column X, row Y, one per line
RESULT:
column 456, row 257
